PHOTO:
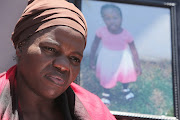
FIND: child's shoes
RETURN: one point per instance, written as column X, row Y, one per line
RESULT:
column 128, row 94
column 105, row 99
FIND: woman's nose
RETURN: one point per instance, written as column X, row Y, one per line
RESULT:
column 62, row 63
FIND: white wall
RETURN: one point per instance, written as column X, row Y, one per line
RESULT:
column 10, row 11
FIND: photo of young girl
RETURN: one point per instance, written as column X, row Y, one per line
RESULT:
column 128, row 57
column 118, row 59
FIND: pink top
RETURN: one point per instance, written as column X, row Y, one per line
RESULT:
column 114, row 41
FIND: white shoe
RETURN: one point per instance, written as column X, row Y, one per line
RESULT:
column 129, row 96
column 106, row 101
column 126, row 90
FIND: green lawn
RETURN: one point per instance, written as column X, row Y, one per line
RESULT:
column 153, row 89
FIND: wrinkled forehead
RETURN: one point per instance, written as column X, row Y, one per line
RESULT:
column 58, row 32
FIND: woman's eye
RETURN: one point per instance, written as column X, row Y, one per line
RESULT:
column 50, row 49
column 75, row 59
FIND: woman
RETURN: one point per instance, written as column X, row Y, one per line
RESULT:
column 49, row 39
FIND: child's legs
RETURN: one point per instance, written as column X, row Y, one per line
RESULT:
column 127, row 92
column 125, row 85
column 107, row 91
column 106, row 96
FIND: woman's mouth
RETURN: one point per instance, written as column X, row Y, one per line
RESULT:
column 55, row 79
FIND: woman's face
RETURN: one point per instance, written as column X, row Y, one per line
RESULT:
column 112, row 19
column 51, row 61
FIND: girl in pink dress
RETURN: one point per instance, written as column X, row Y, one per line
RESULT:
column 118, row 59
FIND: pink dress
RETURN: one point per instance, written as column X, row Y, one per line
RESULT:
column 114, row 62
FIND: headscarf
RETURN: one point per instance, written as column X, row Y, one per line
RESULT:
column 42, row 14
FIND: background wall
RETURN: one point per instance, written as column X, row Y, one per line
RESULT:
column 10, row 11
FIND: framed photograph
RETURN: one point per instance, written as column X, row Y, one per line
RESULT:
column 131, row 57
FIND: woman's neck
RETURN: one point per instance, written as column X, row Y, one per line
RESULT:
column 28, row 98
column 34, row 107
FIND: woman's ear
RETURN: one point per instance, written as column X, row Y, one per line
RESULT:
column 19, row 49
column 18, row 52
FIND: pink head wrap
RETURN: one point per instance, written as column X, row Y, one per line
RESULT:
column 42, row 14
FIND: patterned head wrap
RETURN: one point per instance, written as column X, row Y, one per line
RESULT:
column 42, row 14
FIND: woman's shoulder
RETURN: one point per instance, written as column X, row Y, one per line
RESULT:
column 5, row 76
column 93, row 104
column 3, row 81
column 81, row 91
column 2, row 74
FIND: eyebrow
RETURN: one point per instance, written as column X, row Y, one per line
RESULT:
column 78, row 53
column 51, row 41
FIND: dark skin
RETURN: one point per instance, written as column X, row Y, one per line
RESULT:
column 47, row 64
column 113, row 21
